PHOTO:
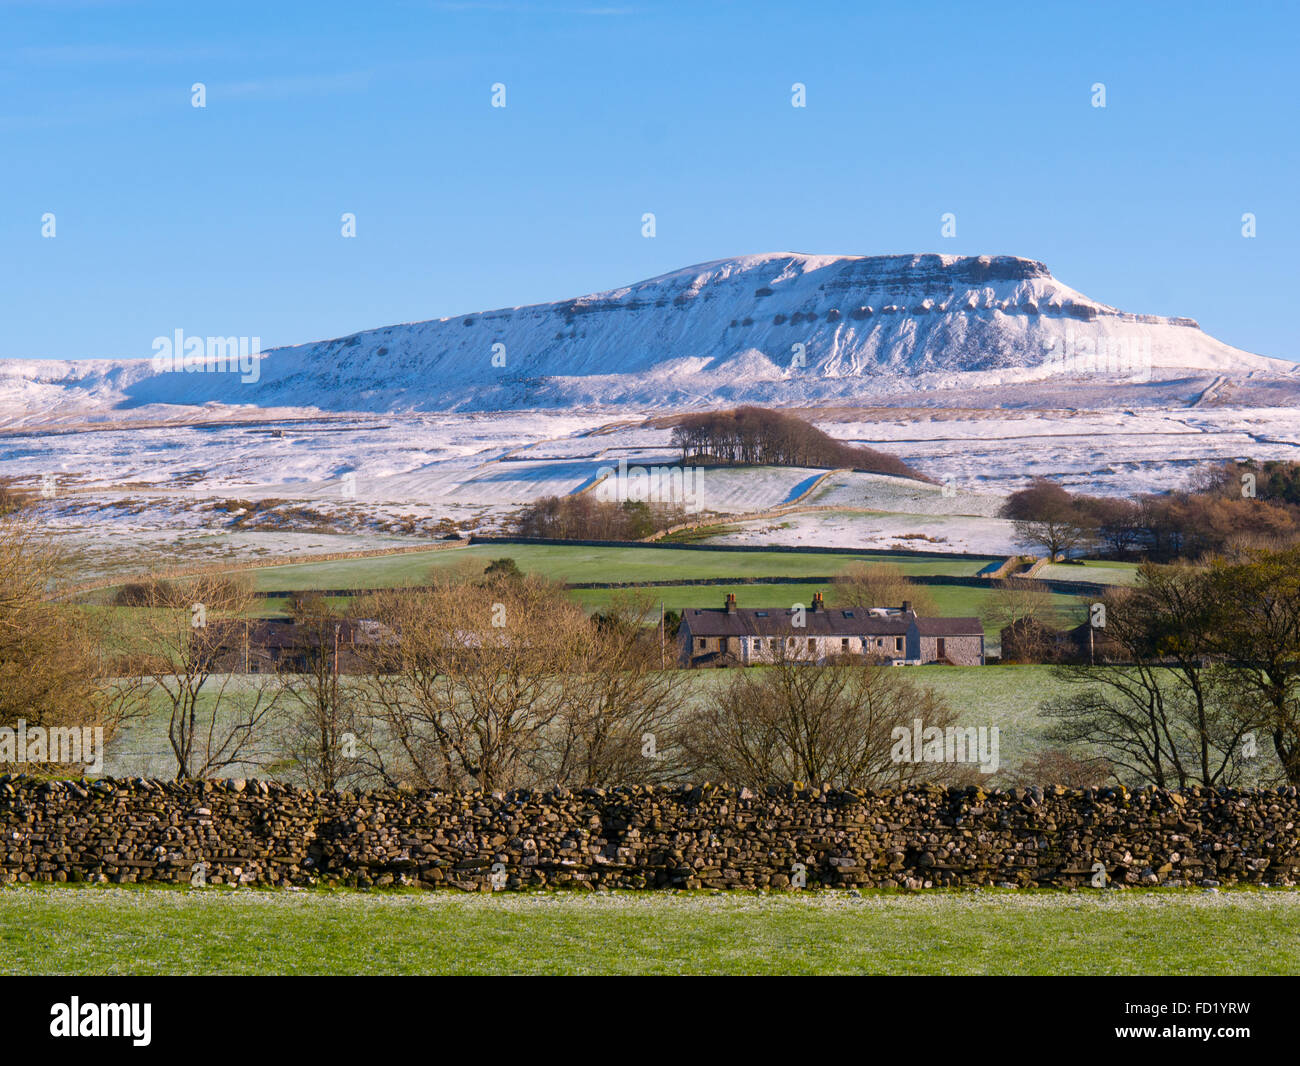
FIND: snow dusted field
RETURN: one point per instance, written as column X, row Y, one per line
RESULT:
column 840, row 529
column 228, row 487
column 980, row 372
column 1102, row 452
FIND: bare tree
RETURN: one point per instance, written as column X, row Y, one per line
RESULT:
column 834, row 724
column 466, row 679
column 1153, row 705
column 1256, row 632
column 1119, row 524
column 1056, row 535
column 1023, row 607
column 616, row 724
column 1047, row 516
column 1056, row 767
column 320, row 722
column 880, row 585
column 58, row 668
column 187, row 628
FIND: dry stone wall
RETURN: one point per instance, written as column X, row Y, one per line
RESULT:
column 261, row 832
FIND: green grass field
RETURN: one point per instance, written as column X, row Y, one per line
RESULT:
column 583, row 564
column 564, row 563
column 580, row 564
column 105, row 930
column 1103, row 572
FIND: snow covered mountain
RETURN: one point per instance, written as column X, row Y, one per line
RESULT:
column 776, row 329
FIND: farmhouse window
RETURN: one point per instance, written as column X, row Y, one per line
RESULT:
column 812, row 643
column 898, row 644
column 844, row 644
column 940, row 649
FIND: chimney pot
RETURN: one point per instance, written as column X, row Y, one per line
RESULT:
column 907, row 606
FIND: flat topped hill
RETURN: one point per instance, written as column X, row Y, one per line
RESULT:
column 778, row 329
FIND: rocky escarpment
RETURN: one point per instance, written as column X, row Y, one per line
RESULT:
column 778, row 329
column 258, row 832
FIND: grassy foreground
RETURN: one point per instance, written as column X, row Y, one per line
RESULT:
column 108, row 930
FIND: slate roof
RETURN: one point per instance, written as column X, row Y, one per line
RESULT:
column 829, row 622
column 282, row 633
column 777, row 622
column 950, row 627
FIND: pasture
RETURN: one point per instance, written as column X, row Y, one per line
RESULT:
column 156, row 930
column 578, row 563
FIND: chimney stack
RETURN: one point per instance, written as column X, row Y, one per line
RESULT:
column 731, row 603
column 818, row 603
column 907, row 606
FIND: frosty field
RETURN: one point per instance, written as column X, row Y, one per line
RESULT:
column 1009, row 697
column 65, row 930
column 120, row 496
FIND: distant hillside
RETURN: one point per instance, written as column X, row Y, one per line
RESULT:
column 780, row 330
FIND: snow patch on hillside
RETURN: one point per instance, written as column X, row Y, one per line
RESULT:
column 780, row 329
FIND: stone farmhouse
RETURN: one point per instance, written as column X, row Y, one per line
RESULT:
column 736, row 636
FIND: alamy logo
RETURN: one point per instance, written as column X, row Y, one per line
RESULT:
column 1125, row 356
column 208, row 355
column 57, row 744
column 654, row 484
column 102, row 1019
column 954, row 744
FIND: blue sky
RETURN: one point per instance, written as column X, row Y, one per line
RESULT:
column 226, row 220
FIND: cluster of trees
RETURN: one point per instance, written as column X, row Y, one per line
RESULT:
column 1233, row 506
column 454, row 699
column 59, row 667
column 503, row 682
column 496, row 679
column 833, row 723
column 1275, row 481
column 583, row 517
column 1201, row 676
column 756, row 436
column 493, row 680
column 483, row 679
